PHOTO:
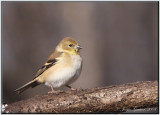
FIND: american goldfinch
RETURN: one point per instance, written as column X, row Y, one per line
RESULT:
column 61, row 69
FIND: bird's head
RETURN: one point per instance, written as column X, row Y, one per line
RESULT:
column 68, row 45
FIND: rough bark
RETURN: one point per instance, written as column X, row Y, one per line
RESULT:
column 112, row 99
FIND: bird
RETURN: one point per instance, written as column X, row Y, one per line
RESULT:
column 62, row 68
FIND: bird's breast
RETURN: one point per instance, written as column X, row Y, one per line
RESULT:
column 64, row 72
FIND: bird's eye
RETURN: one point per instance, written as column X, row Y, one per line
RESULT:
column 70, row 45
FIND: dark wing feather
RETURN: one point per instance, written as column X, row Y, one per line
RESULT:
column 51, row 61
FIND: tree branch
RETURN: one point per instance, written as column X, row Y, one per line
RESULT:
column 112, row 99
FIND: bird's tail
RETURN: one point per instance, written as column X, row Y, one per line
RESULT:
column 32, row 84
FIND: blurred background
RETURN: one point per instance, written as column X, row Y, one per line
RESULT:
column 119, row 40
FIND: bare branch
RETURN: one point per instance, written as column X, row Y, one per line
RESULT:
column 112, row 99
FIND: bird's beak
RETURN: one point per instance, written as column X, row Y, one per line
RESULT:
column 79, row 47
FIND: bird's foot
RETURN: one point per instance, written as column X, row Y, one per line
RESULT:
column 54, row 92
column 70, row 87
column 73, row 89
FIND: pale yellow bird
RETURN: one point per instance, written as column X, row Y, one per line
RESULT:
column 62, row 68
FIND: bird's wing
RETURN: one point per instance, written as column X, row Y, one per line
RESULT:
column 51, row 61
